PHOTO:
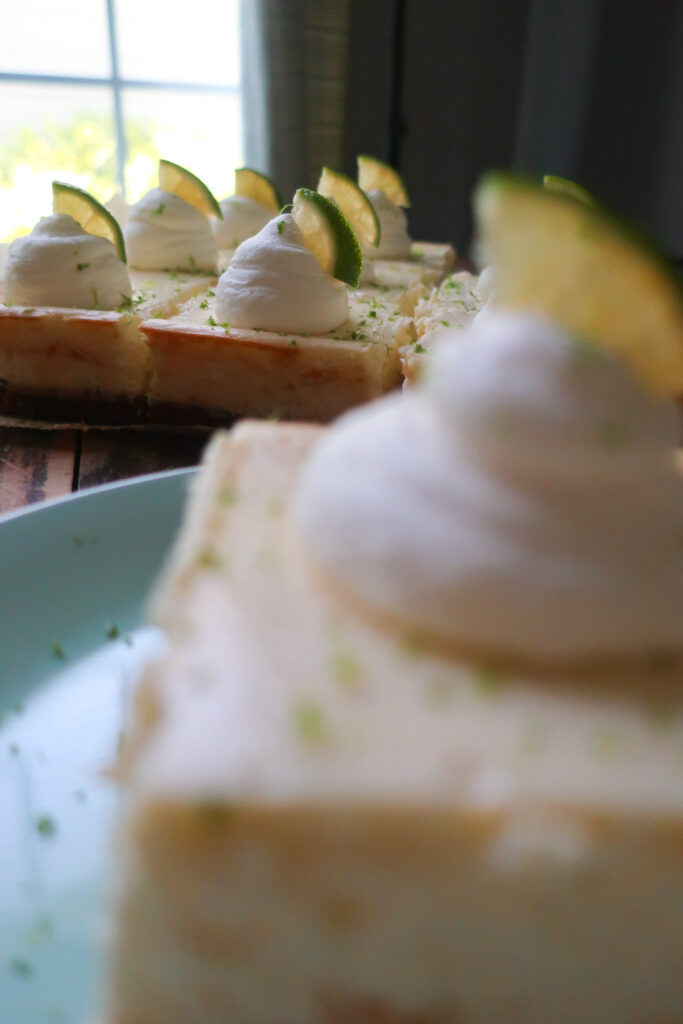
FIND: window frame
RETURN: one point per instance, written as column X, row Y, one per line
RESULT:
column 117, row 84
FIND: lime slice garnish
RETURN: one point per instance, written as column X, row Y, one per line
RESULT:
column 183, row 183
column 353, row 203
column 586, row 271
column 328, row 235
column 259, row 187
column 373, row 173
column 566, row 187
column 90, row 214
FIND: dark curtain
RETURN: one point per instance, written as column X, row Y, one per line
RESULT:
column 588, row 89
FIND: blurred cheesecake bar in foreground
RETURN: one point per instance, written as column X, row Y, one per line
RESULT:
column 412, row 752
column 278, row 852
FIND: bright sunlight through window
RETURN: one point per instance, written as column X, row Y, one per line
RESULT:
column 93, row 92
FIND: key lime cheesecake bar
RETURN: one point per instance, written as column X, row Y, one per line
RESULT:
column 70, row 339
column 282, row 334
column 413, row 750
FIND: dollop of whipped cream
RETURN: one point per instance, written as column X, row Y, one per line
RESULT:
column 60, row 264
column 242, row 218
column 523, row 501
column 164, row 232
column 275, row 283
column 394, row 240
column 118, row 207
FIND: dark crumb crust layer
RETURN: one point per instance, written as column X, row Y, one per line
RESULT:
column 104, row 410
column 89, row 407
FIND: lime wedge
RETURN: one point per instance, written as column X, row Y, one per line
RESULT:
column 353, row 203
column 183, row 183
column 90, row 214
column 328, row 235
column 259, row 187
column 566, row 187
column 373, row 173
column 585, row 270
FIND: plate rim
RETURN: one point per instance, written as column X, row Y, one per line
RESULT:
column 94, row 491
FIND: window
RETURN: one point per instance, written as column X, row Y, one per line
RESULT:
column 94, row 91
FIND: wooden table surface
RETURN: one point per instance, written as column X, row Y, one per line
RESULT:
column 40, row 464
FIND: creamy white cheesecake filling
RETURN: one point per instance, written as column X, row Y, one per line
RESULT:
column 275, row 283
column 242, row 218
column 394, row 241
column 164, row 232
column 523, row 500
column 60, row 264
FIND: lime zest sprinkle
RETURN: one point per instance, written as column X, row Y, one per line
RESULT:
column 20, row 966
column 346, row 669
column 46, row 826
column 227, row 496
column 309, row 721
column 208, row 558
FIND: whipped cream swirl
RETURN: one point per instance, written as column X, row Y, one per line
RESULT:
column 164, row 232
column 394, row 240
column 524, row 500
column 275, row 283
column 242, row 218
column 60, row 264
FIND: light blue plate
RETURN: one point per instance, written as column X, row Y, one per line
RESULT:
column 74, row 575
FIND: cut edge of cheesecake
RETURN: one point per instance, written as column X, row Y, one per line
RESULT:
column 73, row 365
column 449, row 849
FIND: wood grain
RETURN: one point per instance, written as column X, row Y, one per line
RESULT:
column 35, row 465
column 107, row 456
